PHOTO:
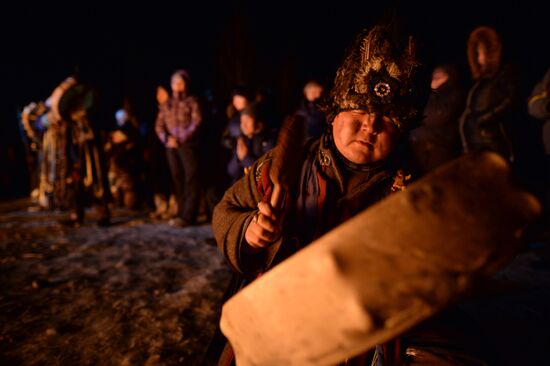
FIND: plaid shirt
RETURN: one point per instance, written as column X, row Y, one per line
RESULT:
column 178, row 117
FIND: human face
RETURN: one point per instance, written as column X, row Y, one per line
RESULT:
column 481, row 54
column 248, row 125
column 313, row 92
column 177, row 84
column 162, row 95
column 439, row 77
column 239, row 102
column 121, row 117
column 364, row 137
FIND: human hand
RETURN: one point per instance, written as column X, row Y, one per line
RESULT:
column 265, row 228
column 242, row 149
column 118, row 137
column 171, row 142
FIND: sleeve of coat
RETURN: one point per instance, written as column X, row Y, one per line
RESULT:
column 508, row 85
column 196, row 120
column 160, row 127
column 231, row 218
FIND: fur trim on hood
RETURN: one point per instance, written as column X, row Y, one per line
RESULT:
column 489, row 37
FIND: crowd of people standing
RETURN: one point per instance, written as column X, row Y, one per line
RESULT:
column 198, row 147
column 378, row 127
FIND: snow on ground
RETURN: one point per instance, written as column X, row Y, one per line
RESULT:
column 134, row 293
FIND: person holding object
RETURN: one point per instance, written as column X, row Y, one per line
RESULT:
column 379, row 93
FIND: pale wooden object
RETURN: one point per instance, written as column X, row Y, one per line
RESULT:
column 383, row 271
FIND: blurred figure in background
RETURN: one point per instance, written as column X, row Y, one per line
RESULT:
column 493, row 99
column 158, row 173
column 256, row 139
column 437, row 140
column 54, row 188
column 123, row 151
column 240, row 98
column 177, row 125
column 73, row 104
column 315, row 119
column 539, row 108
column 32, row 127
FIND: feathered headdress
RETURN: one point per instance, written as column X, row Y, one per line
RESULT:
column 380, row 75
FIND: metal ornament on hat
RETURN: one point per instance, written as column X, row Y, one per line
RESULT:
column 382, row 89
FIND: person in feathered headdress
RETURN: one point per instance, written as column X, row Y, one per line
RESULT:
column 379, row 94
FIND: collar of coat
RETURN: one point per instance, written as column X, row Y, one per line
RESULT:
column 320, row 150
column 328, row 160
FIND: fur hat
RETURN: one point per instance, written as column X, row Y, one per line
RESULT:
column 383, row 76
column 489, row 38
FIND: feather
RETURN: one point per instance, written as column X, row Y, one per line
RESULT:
column 287, row 157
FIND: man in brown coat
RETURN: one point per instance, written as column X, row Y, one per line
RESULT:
column 379, row 94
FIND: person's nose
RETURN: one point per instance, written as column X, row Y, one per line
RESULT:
column 369, row 123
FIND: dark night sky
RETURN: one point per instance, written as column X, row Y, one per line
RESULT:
column 127, row 51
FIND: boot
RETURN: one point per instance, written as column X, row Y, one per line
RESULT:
column 161, row 206
column 172, row 210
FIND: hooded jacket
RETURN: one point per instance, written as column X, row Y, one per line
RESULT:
column 492, row 100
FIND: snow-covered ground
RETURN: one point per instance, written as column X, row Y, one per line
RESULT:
column 141, row 292
column 134, row 293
